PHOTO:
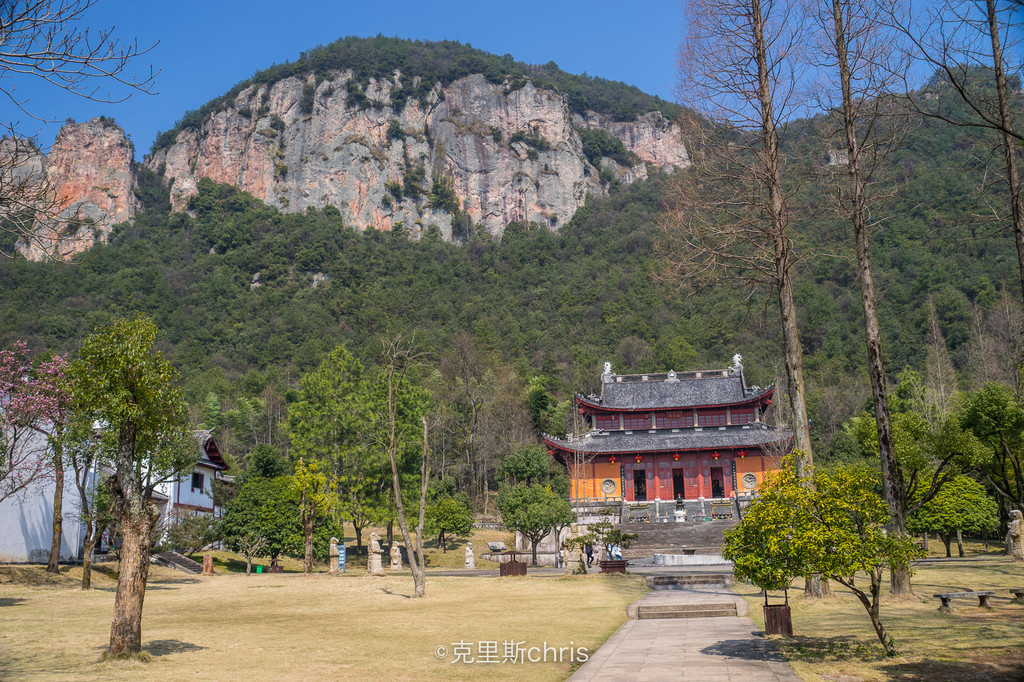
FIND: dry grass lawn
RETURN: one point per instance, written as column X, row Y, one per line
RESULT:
column 834, row 639
column 232, row 626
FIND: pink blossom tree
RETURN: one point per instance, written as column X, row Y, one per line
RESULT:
column 34, row 404
column 20, row 460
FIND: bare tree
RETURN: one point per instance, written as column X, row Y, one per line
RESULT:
column 997, row 346
column 940, row 390
column 973, row 45
column 47, row 40
column 862, row 67
column 396, row 359
column 94, row 496
column 728, row 218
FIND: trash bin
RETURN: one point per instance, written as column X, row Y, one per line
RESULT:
column 259, row 568
column 778, row 620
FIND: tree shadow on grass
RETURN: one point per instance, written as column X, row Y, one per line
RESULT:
column 952, row 670
column 820, row 649
column 758, row 649
column 169, row 583
column 11, row 601
column 166, row 647
column 394, row 594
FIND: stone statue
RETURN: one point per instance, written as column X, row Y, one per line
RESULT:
column 374, row 565
column 573, row 555
column 470, row 557
column 396, row 558
column 1015, row 535
column 334, row 556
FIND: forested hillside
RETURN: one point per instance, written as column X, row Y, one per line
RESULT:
column 247, row 298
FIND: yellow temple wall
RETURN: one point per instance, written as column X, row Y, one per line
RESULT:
column 588, row 486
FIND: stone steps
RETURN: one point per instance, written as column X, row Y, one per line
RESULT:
column 686, row 610
column 178, row 562
column 672, row 538
column 680, row 582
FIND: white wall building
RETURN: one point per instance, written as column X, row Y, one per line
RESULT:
column 193, row 492
column 26, row 518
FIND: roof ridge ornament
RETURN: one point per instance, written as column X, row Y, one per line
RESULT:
column 737, row 363
column 607, row 370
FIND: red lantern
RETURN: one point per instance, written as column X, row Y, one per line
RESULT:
column 675, row 457
column 714, row 455
column 612, row 459
column 639, row 458
column 581, row 410
column 742, row 454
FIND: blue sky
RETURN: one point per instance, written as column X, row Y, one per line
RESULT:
column 206, row 47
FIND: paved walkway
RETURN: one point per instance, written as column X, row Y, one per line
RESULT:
column 717, row 648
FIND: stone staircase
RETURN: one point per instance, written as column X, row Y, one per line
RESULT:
column 695, row 595
column 178, row 562
column 647, row 611
column 688, row 582
column 689, row 537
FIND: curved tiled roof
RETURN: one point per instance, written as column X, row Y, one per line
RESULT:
column 674, row 393
column 598, row 442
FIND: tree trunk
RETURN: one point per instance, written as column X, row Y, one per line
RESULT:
column 359, row 538
column 391, row 533
column 248, row 565
column 419, row 576
column 874, row 612
column 960, row 542
column 136, row 519
column 872, row 606
column 53, row 564
column 783, row 260
column 88, row 545
column 947, row 538
column 924, row 543
column 307, row 564
column 126, row 628
column 1009, row 145
column 892, row 477
column 534, row 544
column 416, row 564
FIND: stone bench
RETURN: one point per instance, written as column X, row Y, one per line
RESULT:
column 981, row 595
column 1018, row 595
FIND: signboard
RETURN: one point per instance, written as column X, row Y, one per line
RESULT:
column 622, row 480
column 341, row 557
column 734, row 488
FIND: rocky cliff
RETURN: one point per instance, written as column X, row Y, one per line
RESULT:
column 90, row 184
column 472, row 152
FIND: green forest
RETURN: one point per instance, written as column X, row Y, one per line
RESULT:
column 248, row 299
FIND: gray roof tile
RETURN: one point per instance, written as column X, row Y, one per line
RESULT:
column 683, row 392
column 684, row 439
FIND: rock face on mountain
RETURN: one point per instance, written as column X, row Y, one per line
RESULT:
column 90, row 176
column 475, row 152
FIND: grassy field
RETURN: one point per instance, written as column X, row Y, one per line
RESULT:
column 834, row 639
column 288, row 626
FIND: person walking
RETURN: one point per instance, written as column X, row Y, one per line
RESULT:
column 588, row 549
